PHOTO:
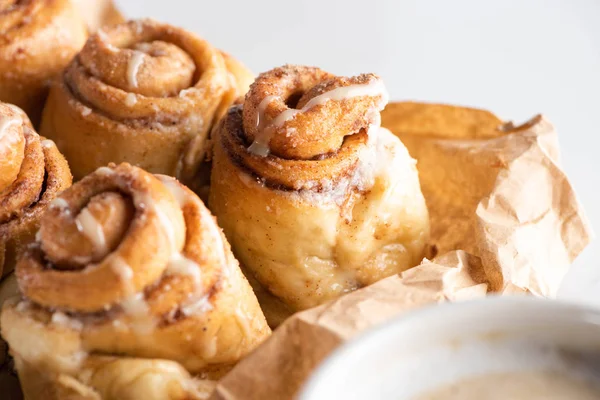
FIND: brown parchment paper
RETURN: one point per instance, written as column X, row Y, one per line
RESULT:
column 505, row 220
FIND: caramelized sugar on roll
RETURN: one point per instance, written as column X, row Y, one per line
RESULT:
column 38, row 38
column 131, row 271
column 32, row 174
column 336, row 202
column 141, row 92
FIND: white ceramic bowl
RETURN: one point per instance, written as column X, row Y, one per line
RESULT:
column 443, row 344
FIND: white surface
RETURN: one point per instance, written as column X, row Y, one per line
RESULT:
column 514, row 57
column 440, row 345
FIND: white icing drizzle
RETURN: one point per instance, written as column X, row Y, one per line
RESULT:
column 104, row 171
column 163, row 219
column 47, row 143
column 23, row 306
column 199, row 306
column 183, row 197
column 260, row 146
column 134, row 305
column 378, row 163
column 168, row 227
column 118, row 324
column 6, row 122
column 92, row 229
column 63, row 320
column 85, row 111
column 261, row 109
column 181, row 265
column 106, row 41
column 373, row 88
column 137, row 309
column 59, row 203
column 185, row 92
column 102, row 35
column 82, row 259
column 130, row 99
column 135, row 62
column 124, row 271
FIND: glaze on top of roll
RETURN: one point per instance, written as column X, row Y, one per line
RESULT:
column 130, row 99
column 92, row 229
column 181, row 265
column 183, row 197
column 135, row 62
column 59, row 202
column 199, row 306
column 63, row 320
column 260, row 146
column 164, row 220
column 373, row 88
column 135, row 306
column 146, row 308
column 124, row 271
column 178, row 264
column 6, row 121
column 47, row 143
column 103, row 171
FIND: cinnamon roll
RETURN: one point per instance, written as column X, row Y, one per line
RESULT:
column 130, row 292
column 314, row 196
column 38, row 38
column 32, row 174
column 141, row 92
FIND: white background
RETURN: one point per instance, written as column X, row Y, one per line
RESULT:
column 514, row 57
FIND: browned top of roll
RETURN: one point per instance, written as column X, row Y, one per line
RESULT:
column 301, row 127
column 138, row 70
column 121, row 235
column 17, row 15
column 32, row 171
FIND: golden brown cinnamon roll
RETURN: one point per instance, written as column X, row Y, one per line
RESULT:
column 38, row 38
column 140, row 92
column 32, row 174
column 314, row 196
column 130, row 292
